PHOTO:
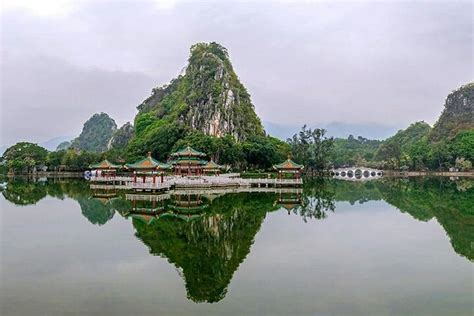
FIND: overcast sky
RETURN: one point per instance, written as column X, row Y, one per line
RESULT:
column 302, row 62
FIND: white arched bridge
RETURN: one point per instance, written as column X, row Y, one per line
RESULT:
column 356, row 173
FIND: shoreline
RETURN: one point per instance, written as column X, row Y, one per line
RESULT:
column 386, row 173
column 392, row 173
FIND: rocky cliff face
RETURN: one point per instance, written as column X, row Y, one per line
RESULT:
column 121, row 137
column 208, row 97
column 458, row 113
column 96, row 133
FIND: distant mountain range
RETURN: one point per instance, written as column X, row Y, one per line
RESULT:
column 335, row 129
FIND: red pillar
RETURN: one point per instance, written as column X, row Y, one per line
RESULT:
column 144, row 177
column 161, row 176
column 154, row 178
column 135, row 177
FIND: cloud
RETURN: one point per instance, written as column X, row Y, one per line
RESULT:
column 40, row 8
column 45, row 97
column 303, row 62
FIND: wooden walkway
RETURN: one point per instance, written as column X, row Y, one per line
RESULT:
column 188, row 183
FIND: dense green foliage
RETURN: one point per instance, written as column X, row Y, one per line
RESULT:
column 24, row 157
column 312, row 148
column 353, row 151
column 206, row 108
column 409, row 149
column 457, row 116
column 122, row 136
column 258, row 152
column 208, row 97
column 395, row 151
column 449, row 143
column 96, row 133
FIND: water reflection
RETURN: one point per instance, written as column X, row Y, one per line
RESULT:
column 208, row 248
column 207, row 235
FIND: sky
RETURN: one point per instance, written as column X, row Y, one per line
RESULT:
column 378, row 62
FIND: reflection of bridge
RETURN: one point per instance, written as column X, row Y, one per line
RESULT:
column 356, row 173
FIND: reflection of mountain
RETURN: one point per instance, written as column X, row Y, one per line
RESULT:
column 101, row 210
column 96, row 211
column 450, row 202
column 209, row 249
column 451, row 205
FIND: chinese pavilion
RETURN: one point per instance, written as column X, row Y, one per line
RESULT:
column 148, row 166
column 212, row 168
column 188, row 161
column 106, row 168
column 289, row 166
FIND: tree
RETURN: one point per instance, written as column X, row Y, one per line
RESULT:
column 259, row 152
column 312, row 148
column 24, row 156
column 322, row 147
column 463, row 145
column 55, row 158
column 440, row 155
column 463, row 164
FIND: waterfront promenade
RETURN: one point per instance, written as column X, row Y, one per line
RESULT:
column 185, row 183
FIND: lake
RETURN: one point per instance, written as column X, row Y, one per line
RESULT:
column 382, row 247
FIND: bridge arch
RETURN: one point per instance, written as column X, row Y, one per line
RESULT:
column 356, row 173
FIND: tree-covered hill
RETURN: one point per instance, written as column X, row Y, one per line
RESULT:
column 208, row 97
column 96, row 133
column 206, row 107
column 458, row 114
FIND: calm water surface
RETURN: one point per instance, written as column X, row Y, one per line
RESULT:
column 386, row 247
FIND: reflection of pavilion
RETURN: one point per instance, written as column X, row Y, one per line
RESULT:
column 289, row 200
column 149, row 207
column 190, row 203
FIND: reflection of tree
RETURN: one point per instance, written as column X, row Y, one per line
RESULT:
column 440, row 198
column 97, row 211
column 209, row 249
column 317, row 200
column 353, row 192
column 23, row 192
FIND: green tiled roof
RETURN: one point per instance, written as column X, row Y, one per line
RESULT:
column 288, row 165
column 211, row 165
column 189, row 152
column 148, row 163
column 188, row 160
column 105, row 164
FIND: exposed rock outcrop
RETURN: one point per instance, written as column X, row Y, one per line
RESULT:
column 96, row 133
column 458, row 114
column 121, row 137
column 209, row 96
